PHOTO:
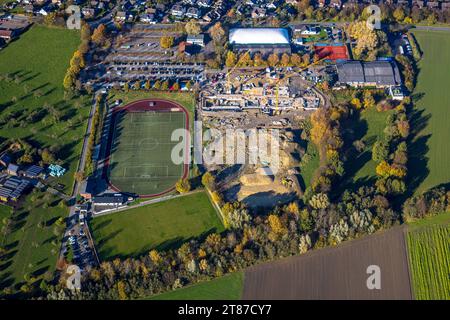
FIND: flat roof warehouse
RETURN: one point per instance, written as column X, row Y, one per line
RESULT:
column 378, row 73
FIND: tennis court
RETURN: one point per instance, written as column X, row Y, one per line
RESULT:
column 140, row 147
column 331, row 52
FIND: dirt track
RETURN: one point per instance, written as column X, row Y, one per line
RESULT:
column 336, row 273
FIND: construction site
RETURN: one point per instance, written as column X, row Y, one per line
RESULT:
column 265, row 98
column 260, row 179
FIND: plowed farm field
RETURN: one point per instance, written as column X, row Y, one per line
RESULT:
column 336, row 273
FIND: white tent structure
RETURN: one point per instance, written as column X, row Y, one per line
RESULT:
column 259, row 36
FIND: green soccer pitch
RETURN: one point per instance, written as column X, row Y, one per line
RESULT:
column 140, row 148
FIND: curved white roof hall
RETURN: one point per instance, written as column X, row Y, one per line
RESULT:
column 259, row 36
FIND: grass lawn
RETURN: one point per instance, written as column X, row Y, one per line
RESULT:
column 32, row 249
column 228, row 287
column 5, row 212
column 430, row 150
column 309, row 167
column 361, row 169
column 36, row 64
column 160, row 225
column 141, row 161
column 376, row 122
column 429, row 257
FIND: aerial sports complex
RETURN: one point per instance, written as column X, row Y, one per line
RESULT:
column 139, row 148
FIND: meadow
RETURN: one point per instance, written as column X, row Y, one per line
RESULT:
column 429, row 257
column 228, row 287
column 31, row 244
column 429, row 148
column 32, row 103
column 163, row 225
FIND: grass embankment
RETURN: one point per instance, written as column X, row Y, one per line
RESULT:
column 228, row 287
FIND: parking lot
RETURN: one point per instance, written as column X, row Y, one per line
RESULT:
column 79, row 243
column 146, row 70
column 137, row 55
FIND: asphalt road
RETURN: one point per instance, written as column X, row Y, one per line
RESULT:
column 81, row 166
column 427, row 28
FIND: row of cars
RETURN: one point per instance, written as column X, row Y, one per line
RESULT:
column 405, row 47
column 78, row 244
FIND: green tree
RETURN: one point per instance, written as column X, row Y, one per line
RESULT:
column 183, row 186
column 231, row 59
column 217, row 33
column 369, row 100
column 208, row 180
column 99, row 35
column 193, row 27
column 47, row 156
column 166, row 42
column 399, row 14
column 273, row 60
column 380, row 151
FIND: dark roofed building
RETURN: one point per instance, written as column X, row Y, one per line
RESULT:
column 13, row 169
column 13, row 188
column 196, row 39
column 33, row 171
column 375, row 73
column 7, row 35
column 351, row 72
column 109, row 200
column 5, row 159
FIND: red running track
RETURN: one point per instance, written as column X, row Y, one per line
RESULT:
column 159, row 105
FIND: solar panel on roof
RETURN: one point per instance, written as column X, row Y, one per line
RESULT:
column 11, row 184
column 5, row 192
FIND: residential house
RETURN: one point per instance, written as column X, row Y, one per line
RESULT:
column 258, row 13
column 337, row 4
column 432, row 5
column 12, row 169
column 419, row 4
column 88, row 12
column 186, row 48
column 178, row 11
column 310, row 30
column 147, row 18
column 29, row 8
column 198, row 40
column 5, row 159
column 193, row 12
column 121, row 16
column 7, row 35
column 204, row 3
column 271, row 6
column 321, row 3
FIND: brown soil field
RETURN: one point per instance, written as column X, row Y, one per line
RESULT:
column 337, row 272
